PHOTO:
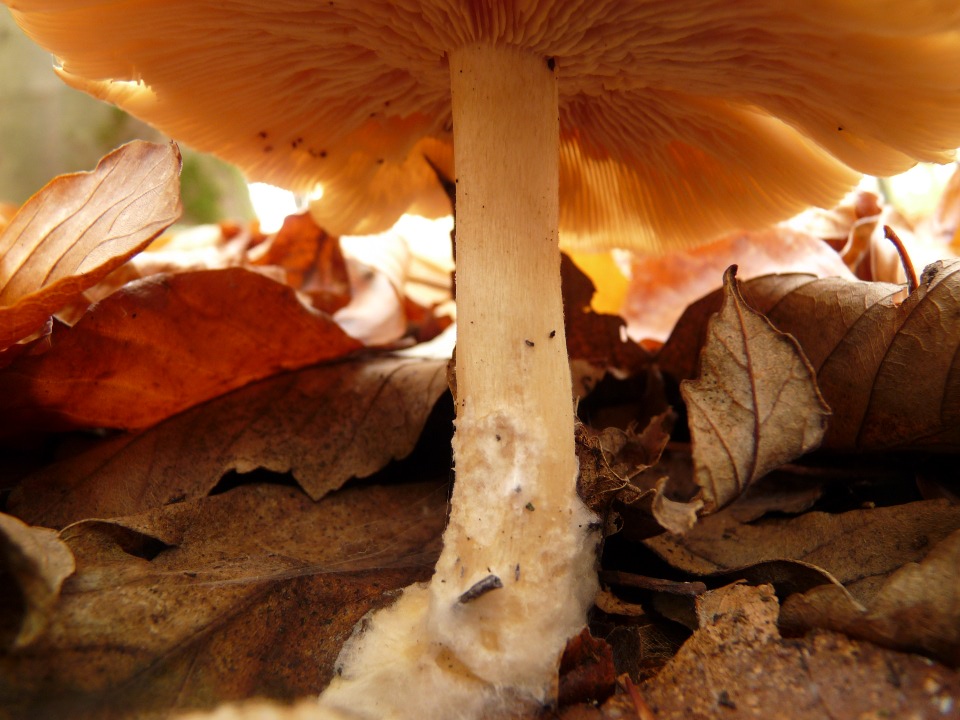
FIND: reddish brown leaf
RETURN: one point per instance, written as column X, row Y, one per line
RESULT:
column 324, row 425
column 163, row 344
column 311, row 260
column 78, row 228
column 662, row 286
column 586, row 670
column 248, row 593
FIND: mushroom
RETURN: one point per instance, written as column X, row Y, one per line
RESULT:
column 638, row 124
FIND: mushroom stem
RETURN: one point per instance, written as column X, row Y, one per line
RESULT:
column 515, row 511
column 517, row 572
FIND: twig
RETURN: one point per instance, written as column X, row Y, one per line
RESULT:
column 905, row 260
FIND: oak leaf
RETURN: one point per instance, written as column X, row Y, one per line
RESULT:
column 78, row 228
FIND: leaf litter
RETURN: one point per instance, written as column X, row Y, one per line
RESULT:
column 795, row 587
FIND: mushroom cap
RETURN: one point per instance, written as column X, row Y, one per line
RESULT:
column 680, row 119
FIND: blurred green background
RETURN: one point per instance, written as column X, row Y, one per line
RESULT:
column 47, row 129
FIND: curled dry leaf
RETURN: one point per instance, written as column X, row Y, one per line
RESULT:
column 889, row 370
column 887, row 367
column 324, row 425
column 247, row 593
column 78, row 228
column 33, row 565
column 163, row 344
column 832, row 541
column 755, row 405
column 737, row 666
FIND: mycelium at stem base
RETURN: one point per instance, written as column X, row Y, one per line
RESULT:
column 516, row 575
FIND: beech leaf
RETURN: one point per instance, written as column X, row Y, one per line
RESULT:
column 165, row 343
column 78, row 228
column 33, row 565
column 248, row 593
column 755, row 405
column 324, row 425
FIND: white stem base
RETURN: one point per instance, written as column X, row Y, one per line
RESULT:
column 517, row 572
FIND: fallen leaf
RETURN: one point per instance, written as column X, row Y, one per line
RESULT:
column 917, row 608
column 78, row 228
column 586, row 670
column 33, row 565
column 895, row 569
column 248, row 593
column 311, row 260
column 663, row 285
column 755, row 405
column 737, row 666
column 887, row 369
column 324, row 425
column 860, row 548
column 163, row 344
column 595, row 340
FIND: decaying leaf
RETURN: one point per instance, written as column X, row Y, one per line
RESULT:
column 324, row 425
column 248, row 593
column 34, row 562
column 896, row 567
column 737, row 666
column 917, row 608
column 78, row 228
column 163, row 344
column 755, row 404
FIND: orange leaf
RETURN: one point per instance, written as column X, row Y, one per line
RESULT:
column 162, row 344
column 78, row 228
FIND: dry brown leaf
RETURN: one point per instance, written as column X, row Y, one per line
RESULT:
column 887, row 370
column 324, row 425
column 248, row 593
column 755, row 405
column 163, row 344
column 33, row 565
column 79, row 227
column 860, row 548
column 917, row 608
column 897, row 567
column 737, row 666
